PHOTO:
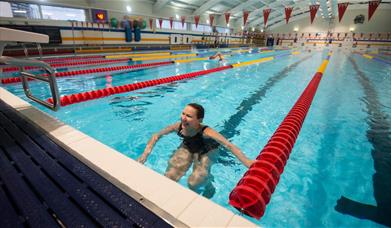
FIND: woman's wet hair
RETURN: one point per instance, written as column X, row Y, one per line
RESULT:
column 199, row 108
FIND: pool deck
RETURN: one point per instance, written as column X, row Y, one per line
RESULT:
column 174, row 204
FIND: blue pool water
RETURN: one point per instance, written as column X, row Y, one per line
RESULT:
column 332, row 157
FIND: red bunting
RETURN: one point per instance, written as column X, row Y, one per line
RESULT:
column 160, row 22
column 288, row 11
column 196, row 20
column 183, row 18
column 227, row 15
column 341, row 9
column 150, row 23
column 245, row 16
column 313, row 10
column 211, row 19
column 266, row 13
column 171, row 20
column 372, row 8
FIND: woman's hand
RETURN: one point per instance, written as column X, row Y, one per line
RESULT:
column 142, row 158
column 248, row 163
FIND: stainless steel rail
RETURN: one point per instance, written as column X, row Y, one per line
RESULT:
column 50, row 79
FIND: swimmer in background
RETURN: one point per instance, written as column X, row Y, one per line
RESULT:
column 109, row 81
column 217, row 55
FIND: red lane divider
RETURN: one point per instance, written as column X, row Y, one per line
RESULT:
column 253, row 192
column 73, row 58
column 57, row 65
column 96, row 94
column 91, row 71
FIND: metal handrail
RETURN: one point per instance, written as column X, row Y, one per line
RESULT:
column 51, row 79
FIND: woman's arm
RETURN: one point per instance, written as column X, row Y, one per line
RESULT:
column 155, row 137
column 209, row 132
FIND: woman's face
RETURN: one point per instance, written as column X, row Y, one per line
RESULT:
column 189, row 117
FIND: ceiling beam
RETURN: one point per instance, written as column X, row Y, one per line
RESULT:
column 242, row 6
column 206, row 6
column 159, row 4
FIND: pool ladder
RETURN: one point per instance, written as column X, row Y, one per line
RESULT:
column 50, row 79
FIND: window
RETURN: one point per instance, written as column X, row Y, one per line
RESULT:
column 21, row 10
column 62, row 13
column 222, row 30
column 201, row 28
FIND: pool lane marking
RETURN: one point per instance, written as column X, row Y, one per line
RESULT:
column 163, row 57
column 136, row 55
column 253, row 192
column 190, row 60
column 373, row 58
column 96, row 94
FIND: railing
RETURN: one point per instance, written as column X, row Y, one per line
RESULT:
column 50, row 79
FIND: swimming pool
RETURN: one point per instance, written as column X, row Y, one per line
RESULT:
column 331, row 158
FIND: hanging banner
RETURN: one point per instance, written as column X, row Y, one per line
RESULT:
column 196, row 20
column 183, row 18
column 288, row 12
column 372, row 8
column 266, row 13
column 171, row 20
column 211, row 19
column 341, row 9
column 245, row 16
column 150, row 23
column 313, row 10
column 227, row 15
column 160, row 23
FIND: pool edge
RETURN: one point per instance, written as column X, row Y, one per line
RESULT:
column 172, row 202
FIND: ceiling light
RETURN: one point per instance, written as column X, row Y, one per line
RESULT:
column 128, row 8
column 20, row 11
column 261, row 30
column 228, row 25
column 176, row 16
column 242, row 27
column 253, row 29
column 207, row 21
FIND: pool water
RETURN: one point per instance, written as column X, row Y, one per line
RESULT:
column 332, row 157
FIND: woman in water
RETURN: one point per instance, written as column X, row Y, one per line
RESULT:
column 199, row 142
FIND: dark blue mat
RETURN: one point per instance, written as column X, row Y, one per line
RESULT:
column 42, row 185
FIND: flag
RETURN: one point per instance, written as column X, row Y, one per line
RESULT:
column 160, row 22
column 171, row 20
column 183, row 18
column 266, row 13
column 313, row 10
column 341, row 9
column 211, row 19
column 372, row 8
column 227, row 15
column 288, row 11
column 245, row 16
column 196, row 20
column 150, row 23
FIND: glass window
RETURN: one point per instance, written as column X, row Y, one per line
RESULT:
column 178, row 25
column 201, row 28
column 62, row 13
column 222, row 30
column 25, row 10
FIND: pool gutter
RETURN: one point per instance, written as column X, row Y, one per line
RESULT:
column 174, row 203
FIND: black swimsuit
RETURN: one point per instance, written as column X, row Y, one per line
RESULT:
column 197, row 143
